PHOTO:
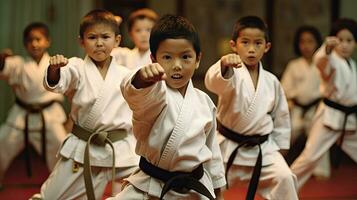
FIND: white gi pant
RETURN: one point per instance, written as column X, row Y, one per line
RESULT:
column 320, row 139
column 12, row 142
column 276, row 180
column 130, row 192
column 65, row 184
column 303, row 126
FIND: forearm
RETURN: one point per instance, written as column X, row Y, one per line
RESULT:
column 138, row 82
column 53, row 75
column 2, row 61
column 227, row 72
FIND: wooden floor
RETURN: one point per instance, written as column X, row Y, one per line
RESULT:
column 341, row 186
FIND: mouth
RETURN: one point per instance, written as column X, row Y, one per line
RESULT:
column 99, row 51
column 176, row 76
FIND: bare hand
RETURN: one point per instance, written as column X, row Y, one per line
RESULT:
column 326, row 75
column 152, row 73
column 231, row 60
column 58, row 61
column 331, row 43
column 149, row 75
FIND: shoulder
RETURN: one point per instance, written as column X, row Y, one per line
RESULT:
column 270, row 78
column 120, row 51
column 15, row 59
column 203, row 97
column 293, row 64
column 75, row 60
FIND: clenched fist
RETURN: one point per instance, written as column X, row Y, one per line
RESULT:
column 149, row 75
column 331, row 43
column 152, row 73
column 231, row 60
column 58, row 61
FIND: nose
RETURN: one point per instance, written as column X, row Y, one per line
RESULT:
column 177, row 65
column 251, row 49
column 34, row 43
column 99, row 42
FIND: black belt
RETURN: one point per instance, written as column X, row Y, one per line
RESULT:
column 32, row 109
column 306, row 107
column 347, row 110
column 179, row 181
column 245, row 141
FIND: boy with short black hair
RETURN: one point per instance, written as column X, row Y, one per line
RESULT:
column 101, row 140
column 37, row 116
column 174, row 123
column 252, row 114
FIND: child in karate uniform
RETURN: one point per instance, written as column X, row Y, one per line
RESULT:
column 252, row 115
column 101, row 139
column 37, row 117
column 174, row 123
column 140, row 23
column 336, row 118
column 301, row 83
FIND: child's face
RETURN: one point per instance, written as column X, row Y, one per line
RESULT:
column 98, row 41
column 307, row 45
column 347, row 43
column 140, row 33
column 36, row 44
column 179, row 60
column 250, row 46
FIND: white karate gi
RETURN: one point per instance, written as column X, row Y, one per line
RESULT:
column 97, row 105
column 131, row 58
column 174, row 133
column 250, row 111
column 25, row 77
column 301, row 81
column 328, row 122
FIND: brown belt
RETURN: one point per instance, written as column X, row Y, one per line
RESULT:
column 34, row 109
column 99, row 138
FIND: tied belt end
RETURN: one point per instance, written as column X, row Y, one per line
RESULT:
column 100, row 138
column 33, row 109
column 181, row 182
column 245, row 141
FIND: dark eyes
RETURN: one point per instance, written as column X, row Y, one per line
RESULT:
column 166, row 57
column 186, row 56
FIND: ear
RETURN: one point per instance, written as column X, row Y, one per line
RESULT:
column 117, row 40
column 199, row 56
column 80, row 41
column 152, row 58
column 267, row 47
column 48, row 42
column 233, row 45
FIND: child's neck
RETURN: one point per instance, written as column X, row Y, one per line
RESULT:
column 142, row 51
column 308, row 60
column 103, row 66
column 37, row 59
column 254, row 73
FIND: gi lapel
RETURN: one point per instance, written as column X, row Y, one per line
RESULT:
column 182, row 124
column 99, row 85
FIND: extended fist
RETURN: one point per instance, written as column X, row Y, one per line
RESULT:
column 231, row 60
column 331, row 43
column 152, row 73
column 58, row 61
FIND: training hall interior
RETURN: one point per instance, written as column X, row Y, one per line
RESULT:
column 213, row 20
